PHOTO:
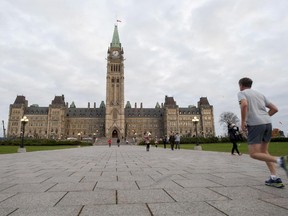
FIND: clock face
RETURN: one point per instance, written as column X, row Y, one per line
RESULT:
column 115, row 53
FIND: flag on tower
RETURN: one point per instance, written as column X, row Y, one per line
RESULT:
column 119, row 20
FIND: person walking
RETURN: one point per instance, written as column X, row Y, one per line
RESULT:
column 156, row 142
column 147, row 140
column 233, row 132
column 177, row 141
column 118, row 142
column 165, row 140
column 172, row 141
column 256, row 120
column 109, row 142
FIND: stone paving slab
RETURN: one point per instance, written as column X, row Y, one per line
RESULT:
column 72, row 187
column 48, row 211
column 143, row 196
column 28, row 188
column 248, row 207
column 184, row 209
column 130, row 181
column 116, row 210
column 32, row 199
column 89, row 198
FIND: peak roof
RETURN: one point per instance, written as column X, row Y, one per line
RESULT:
column 115, row 40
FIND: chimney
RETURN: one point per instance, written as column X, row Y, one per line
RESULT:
column 88, row 104
column 94, row 104
column 141, row 105
column 135, row 105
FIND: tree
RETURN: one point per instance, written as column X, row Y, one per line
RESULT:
column 228, row 117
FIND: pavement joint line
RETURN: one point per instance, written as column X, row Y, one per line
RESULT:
column 211, row 188
column 177, row 183
column 169, row 194
column 9, row 197
column 95, row 186
column 39, row 171
column 151, row 178
column 80, row 210
column 216, row 208
column 149, row 209
column 51, row 187
column 116, row 197
column 12, row 212
column 82, row 179
column 274, row 204
column 216, row 182
column 45, row 180
column 71, row 174
column 137, row 185
column 8, row 187
column 61, row 198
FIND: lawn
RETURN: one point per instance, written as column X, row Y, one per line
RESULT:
column 14, row 149
column 275, row 148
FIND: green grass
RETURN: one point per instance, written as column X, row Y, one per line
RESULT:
column 14, row 149
column 275, row 148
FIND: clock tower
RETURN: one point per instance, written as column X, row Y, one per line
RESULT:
column 115, row 115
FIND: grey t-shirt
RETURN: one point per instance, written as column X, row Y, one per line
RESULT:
column 257, row 102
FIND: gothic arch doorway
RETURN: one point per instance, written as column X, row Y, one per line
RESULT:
column 115, row 134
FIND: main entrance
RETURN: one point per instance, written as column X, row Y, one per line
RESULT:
column 115, row 134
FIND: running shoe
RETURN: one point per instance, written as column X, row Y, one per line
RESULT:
column 284, row 163
column 274, row 183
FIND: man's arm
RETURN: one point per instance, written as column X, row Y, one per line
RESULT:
column 244, row 109
column 272, row 109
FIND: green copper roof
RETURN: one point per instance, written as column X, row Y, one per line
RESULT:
column 115, row 39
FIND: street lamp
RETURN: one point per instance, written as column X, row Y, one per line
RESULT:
column 79, row 136
column 195, row 121
column 94, row 138
column 24, row 121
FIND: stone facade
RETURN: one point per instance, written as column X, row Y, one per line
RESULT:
column 113, row 119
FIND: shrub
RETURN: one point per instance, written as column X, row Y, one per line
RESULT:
column 42, row 142
column 279, row 139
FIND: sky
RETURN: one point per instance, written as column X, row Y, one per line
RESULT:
column 184, row 49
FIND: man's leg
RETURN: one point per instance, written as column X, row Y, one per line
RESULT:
column 236, row 148
column 233, row 148
column 260, row 152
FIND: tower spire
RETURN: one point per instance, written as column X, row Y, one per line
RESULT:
column 115, row 40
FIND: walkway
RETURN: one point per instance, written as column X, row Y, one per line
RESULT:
column 129, row 181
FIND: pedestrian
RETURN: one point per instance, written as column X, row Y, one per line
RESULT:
column 256, row 120
column 118, row 142
column 147, row 140
column 177, row 141
column 172, row 141
column 156, row 142
column 165, row 141
column 233, row 132
column 109, row 142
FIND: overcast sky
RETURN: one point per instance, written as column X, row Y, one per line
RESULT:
column 182, row 48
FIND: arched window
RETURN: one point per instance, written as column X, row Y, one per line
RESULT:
column 115, row 114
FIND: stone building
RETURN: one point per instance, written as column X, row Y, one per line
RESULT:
column 113, row 118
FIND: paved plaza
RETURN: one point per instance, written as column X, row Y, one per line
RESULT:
column 127, row 180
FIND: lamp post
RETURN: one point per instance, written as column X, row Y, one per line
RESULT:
column 79, row 139
column 94, row 138
column 195, row 121
column 24, row 121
